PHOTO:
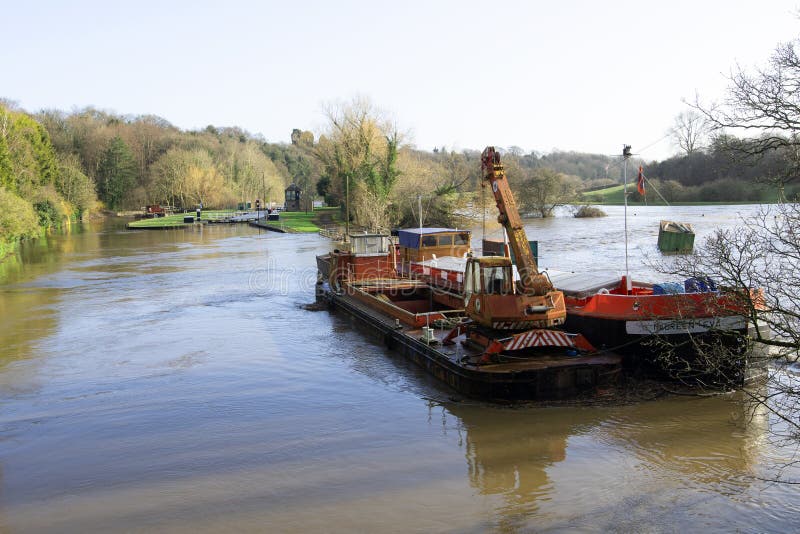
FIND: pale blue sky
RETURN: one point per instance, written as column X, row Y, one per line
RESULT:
column 569, row 75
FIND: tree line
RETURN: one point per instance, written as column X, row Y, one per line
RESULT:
column 57, row 166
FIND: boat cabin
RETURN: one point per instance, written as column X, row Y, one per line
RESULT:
column 369, row 244
column 370, row 256
column 420, row 244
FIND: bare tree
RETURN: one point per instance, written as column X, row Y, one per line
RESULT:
column 760, row 113
column 689, row 131
column 543, row 189
column 760, row 262
column 758, row 268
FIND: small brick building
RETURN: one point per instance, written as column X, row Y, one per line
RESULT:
column 292, row 198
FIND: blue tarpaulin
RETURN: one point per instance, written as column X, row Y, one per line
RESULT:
column 701, row 284
column 667, row 288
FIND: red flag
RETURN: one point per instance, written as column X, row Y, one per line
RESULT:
column 640, row 182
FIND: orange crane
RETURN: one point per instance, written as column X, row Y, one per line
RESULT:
column 506, row 315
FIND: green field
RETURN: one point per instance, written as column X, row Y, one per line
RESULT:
column 297, row 221
column 613, row 196
column 300, row 221
column 176, row 221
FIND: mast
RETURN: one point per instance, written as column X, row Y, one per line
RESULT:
column 626, row 154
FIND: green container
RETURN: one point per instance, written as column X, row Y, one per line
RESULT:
column 674, row 237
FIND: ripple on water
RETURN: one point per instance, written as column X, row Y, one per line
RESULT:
column 174, row 380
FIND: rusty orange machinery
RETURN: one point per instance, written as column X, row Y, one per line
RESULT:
column 508, row 317
column 492, row 300
column 532, row 282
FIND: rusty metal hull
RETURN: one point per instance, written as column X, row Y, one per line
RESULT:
column 537, row 378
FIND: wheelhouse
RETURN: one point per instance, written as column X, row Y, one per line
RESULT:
column 420, row 244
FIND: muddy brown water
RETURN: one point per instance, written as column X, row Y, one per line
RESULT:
column 174, row 381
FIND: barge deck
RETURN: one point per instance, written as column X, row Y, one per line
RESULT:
column 557, row 374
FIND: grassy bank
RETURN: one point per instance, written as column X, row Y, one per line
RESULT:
column 614, row 196
column 302, row 222
column 294, row 221
column 176, row 221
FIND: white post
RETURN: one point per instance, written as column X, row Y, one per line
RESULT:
column 626, row 153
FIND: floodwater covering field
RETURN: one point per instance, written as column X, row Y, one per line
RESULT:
column 173, row 381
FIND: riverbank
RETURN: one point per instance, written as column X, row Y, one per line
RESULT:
column 303, row 222
column 288, row 221
column 7, row 248
column 177, row 220
column 613, row 196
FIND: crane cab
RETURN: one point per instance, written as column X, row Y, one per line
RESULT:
column 491, row 299
column 491, row 275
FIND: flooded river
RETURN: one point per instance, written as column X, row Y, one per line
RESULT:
column 173, row 381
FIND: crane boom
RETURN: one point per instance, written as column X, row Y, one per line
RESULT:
column 532, row 282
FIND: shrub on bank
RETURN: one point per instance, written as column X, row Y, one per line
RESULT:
column 589, row 211
column 17, row 218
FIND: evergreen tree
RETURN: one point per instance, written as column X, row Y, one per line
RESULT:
column 116, row 174
column 43, row 152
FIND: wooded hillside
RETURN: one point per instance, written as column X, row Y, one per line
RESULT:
column 57, row 166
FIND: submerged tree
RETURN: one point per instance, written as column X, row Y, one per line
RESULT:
column 543, row 189
column 760, row 262
column 358, row 152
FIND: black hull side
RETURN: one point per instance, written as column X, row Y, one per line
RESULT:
column 661, row 356
column 539, row 384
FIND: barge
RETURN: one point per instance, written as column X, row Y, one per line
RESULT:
column 421, row 322
column 492, row 332
column 642, row 324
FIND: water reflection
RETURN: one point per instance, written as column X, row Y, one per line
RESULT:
column 28, row 297
column 510, row 454
column 509, row 451
column 710, row 443
column 25, row 317
column 607, row 466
